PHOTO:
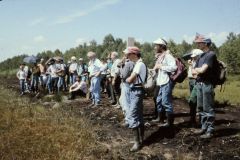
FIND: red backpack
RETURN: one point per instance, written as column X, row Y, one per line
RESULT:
column 181, row 73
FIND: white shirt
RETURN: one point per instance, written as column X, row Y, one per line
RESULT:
column 95, row 66
column 73, row 67
column 115, row 69
column 104, row 68
column 190, row 69
column 168, row 66
column 26, row 69
column 21, row 74
column 52, row 69
column 140, row 69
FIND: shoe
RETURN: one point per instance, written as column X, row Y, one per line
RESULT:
column 117, row 106
column 91, row 105
column 170, row 121
column 22, row 94
column 199, row 131
column 206, row 136
column 160, row 118
column 136, row 146
column 125, row 124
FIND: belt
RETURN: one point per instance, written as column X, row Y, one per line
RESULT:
column 138, row 85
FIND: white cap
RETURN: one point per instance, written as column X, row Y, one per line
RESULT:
column 160, row 41
column 73, row 58
column 196, row 52
column 80, row 59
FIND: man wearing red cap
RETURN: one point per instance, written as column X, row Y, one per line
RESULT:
column 204, row 70
column 135, row 111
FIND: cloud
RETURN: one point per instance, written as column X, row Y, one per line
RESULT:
column 39, row 39
column 71, row 17
column 217, row 38
column 81, row 41
column 36, row 21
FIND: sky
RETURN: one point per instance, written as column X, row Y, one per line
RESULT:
column 33, row 26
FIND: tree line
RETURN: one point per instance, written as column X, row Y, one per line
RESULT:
column 228, row 52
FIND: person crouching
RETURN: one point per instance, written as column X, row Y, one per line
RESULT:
column 78, row 88
column 135, row 112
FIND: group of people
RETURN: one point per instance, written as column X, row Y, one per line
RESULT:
column 123, row 80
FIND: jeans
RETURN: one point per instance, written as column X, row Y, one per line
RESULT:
column 135, row 112
column 22, row 85
column 73, row 78
column 205, row 104
column 61, row 83
column 95, row 89
column 125, row 98
column 49, row 85
column 34, row 83
column 164, row 98
column 54, row 83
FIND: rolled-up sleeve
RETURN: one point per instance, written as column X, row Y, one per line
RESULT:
column 171, row 64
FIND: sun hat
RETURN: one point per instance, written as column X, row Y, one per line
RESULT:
column 196, row 52
column 160, row 41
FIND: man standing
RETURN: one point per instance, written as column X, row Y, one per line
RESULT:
column 195, row 53
column 204, row 70
column 94, row 68
column 135, row 111
column 116, row 81
column 73, row 70
column 165, row 65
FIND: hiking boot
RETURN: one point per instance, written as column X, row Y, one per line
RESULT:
column 141, row 134
column 199, row 131
column 160, row 118
column 170, row 120
column 117, row 106
column 91, row 105
column 125, row 124
column 206, row 136
column 136, row 146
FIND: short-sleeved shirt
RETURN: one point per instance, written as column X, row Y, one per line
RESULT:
column 126, row 69
column 210, row 59
column 114, row 68
column 140, row 70
column 73, row 67
column 94, row 67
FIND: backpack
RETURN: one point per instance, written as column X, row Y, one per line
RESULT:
column 181, row 73
column 150, row 83
column 220, row 73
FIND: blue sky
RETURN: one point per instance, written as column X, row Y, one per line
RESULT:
column 32, row 26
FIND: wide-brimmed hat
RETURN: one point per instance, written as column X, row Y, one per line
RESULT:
column 160, row 41
column 196, row 52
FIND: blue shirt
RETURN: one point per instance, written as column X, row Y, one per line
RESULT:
column 210, row 59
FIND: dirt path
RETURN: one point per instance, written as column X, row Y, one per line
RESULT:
column 160, row 143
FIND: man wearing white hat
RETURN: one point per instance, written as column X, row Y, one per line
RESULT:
column 82, row 69
column 73, row 70
column 165, row 65
column 195, row 53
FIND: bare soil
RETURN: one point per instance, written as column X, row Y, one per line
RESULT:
column 160, row 143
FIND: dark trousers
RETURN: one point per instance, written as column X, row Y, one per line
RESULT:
column 115, row 90
column 77, row 93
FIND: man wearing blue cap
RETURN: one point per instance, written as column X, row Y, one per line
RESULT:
column 204, row 70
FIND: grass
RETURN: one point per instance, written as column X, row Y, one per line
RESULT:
column 30, row 131
column 229, row 94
